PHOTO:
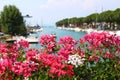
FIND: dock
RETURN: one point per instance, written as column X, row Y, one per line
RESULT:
column 29, row 39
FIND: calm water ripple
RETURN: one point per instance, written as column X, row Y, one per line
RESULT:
column 59, row 33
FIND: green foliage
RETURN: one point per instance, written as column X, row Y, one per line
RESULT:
column 106, row 16
column 12, row 21
column 106, row 70
column 0, row 25
column 116, row 16
column 92, row 18
column 63, row 22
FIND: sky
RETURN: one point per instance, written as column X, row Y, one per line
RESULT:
column 47, row 12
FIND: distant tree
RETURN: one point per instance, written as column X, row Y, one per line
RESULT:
column 116, row 15
column 12, row 21
column 0, row 23
column 91, row 18
column 107, row 16
column 73, row 20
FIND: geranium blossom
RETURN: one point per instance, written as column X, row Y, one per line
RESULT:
column 67, row 40
column 65, row 53
column 31, row 54
column 58, row 59
column 48, row 41
column 108, row 55
column 24, row 68
column 97, row 39
column 94, row 57
column 2, row 67
column 58, row 68
column 22, row 43
column 67, row 44
column 75, row 60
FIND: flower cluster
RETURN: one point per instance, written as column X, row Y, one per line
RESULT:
column 48, row 41
column 68, row 46
column 66, row 59
column 101, row 45
column 75, row 60
column 57, row 66
column 11, row 60
column 22, row 43
column 96, row 40
column 23, row 68
column 31, row 54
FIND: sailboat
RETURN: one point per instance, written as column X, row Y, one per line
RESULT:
column 37, row 28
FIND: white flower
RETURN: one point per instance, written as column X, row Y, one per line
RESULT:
column 75, row 60
column 117, row 54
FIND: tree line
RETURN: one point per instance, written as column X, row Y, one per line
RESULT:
column 109, row 18
column 11, row 21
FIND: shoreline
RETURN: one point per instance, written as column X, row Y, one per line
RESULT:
column 90, row 30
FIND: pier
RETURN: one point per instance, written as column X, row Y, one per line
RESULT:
column 29, row 39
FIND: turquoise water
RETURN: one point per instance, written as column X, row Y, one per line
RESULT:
column 59, row 33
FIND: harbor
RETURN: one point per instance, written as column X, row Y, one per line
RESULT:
column 90, row 30
column 60, row 40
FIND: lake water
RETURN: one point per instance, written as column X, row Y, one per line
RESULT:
column 59, row 33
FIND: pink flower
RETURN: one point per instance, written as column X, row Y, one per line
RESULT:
column 108, row 55
column 69, row 70
column 118, row 40
column 24, row 68
column 82, row 41
column 47, row 59
column 56, row 64
column 105, row 39
column 3, row 48
column 47, row 39
column 81, row 53
column 117, row 53
column 94, row 57
column 65, row 53
column 22, row 43
column 28, row 68
column 61, row 70
column 67, row 40
column 17, row 68
column 31, row 54
column 67, row 44
column 50, row 47
column 56, row 69
column 2, row 68
column 14, row 56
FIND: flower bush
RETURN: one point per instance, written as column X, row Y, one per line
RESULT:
column 96, row 56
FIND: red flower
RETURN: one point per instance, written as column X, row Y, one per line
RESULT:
column 94, row 57
column 22, row 43
column 48, row 41
column 108, row 55
column 67, row 40
column 2, row 68
column 31, row 54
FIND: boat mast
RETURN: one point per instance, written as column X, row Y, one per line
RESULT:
column 41, row 22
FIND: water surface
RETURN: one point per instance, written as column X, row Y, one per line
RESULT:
column 59, row 33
